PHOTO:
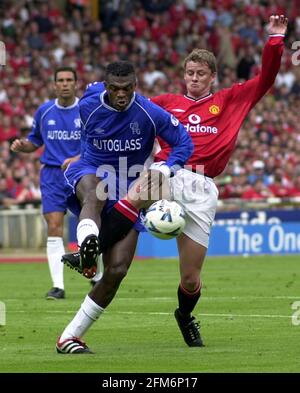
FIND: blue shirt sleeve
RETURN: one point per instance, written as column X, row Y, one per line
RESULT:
column 173, row 132
column 35, row 135
column 87, row 101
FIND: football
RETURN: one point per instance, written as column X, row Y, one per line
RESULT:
column 164, row 219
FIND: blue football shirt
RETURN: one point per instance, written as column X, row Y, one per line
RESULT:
column 110, row 134
column 58, row 128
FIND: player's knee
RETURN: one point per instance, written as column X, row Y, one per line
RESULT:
column 118, row 270
column 90, row 198
column 190, row 281
column 55, row 229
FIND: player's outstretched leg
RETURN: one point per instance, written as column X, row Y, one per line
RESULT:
column 119, row 222
column 72, row 346
column 85, row 261
column 190, row 329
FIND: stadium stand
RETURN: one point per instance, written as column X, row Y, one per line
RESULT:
column 155, row 36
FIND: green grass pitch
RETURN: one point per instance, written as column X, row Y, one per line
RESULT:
column 245, row 314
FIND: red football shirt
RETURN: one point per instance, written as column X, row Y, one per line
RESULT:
column 214, row 121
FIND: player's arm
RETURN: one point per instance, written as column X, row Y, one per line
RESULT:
column 272, row 53
column 173, row 132
column 88, row 101
column 251, row 91
column 88, row 104
column 34, row 140
column 23, row 145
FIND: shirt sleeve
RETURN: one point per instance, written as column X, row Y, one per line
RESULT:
column 93, row 89
column 35, row 135
column 173, row 132
column 251, row 91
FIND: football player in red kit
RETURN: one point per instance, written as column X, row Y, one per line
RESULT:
column 213, row 121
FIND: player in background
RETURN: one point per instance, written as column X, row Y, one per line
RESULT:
column 213, row 122
column 57, row 126
column 119, row 126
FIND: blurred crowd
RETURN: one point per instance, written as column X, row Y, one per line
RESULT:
column 155, row 36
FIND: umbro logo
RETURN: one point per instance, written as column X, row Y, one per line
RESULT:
column 51, row 122
column 77, row 122
column 99, row 130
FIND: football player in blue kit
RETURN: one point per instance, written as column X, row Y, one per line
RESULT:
column 57, row 127
column 119, row 127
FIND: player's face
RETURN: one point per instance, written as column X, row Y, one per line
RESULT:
column 198, row 78
column 120, row 90
column 65, row 85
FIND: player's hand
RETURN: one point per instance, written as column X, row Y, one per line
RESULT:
column 18, row 145
column 148, row 187
column 278, row 24
column 68, row 161
column 161, row 167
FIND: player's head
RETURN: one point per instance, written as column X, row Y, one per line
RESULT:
column 120, row 83
column 65, row 79
column 200, row 69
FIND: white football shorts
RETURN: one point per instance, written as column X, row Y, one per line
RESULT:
column 198, row 195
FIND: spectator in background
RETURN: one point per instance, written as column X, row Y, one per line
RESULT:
column 5, row 198
column 235, row 187
column 257, row 191
column 7, row 129
column 152, row 74
column 258, row 173
column 277, row 188
column 246, row 62
column 156, row 6
column 294, row 191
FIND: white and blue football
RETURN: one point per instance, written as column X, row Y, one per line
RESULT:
column 164, row 219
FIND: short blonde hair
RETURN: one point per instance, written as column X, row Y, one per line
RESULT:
column 202, row 56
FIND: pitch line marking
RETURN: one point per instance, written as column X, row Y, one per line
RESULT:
column 166, row 313
column 218, row 298
column 167, row 298
column 211, row 315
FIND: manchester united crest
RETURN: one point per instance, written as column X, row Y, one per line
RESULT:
column 214, row 109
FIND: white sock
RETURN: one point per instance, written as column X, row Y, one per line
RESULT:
column 88, row 313
column 100, row 268
column 85, row 228
column 55, row 250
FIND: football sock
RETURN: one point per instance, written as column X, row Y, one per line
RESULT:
column 55, row 251
column 88, row 313
column 187, row 300
column 85, row 228
column 119, row 222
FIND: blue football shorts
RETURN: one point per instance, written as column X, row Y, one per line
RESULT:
column 53, row 189
column 75, row 171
